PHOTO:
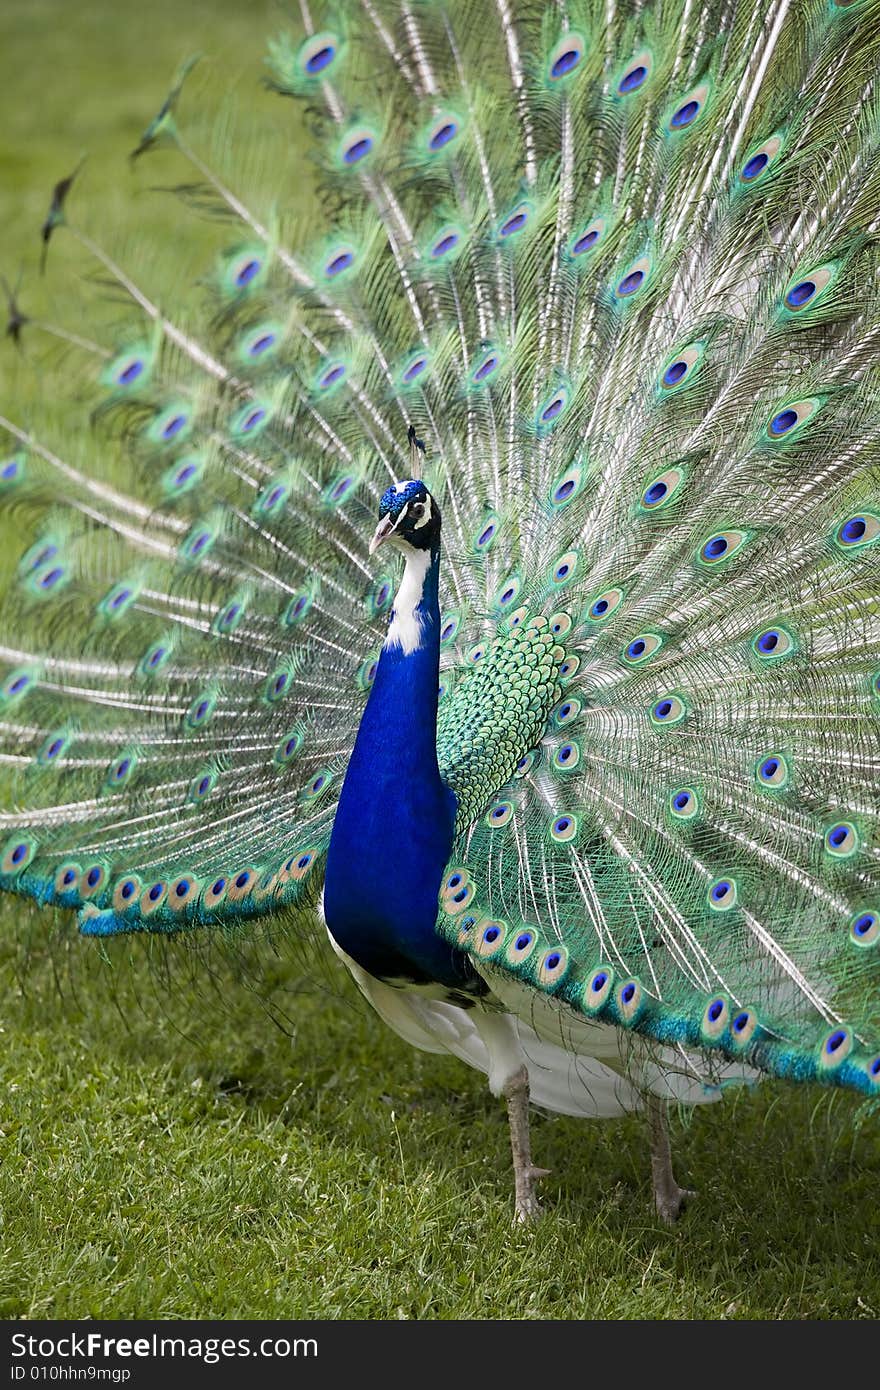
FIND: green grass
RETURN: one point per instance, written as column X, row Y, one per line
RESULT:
column 167, row 1150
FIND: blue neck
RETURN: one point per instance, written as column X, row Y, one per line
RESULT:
column 394, row 825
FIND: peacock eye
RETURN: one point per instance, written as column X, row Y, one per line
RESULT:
column 417, row 508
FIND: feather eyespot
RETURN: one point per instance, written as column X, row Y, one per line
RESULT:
column 634, row 279
column 772, row 771
column 331, row 376
column 499, row 815
column 551, row 411
column 514, row 222
column 689, row 109
column 865, row 928
column 200, row 711
column 598, row 989
column 640, row 649
column 841, row 840
column 17, row 684
column 684, row 803
column 669, row 710
column 54, row 748
column 356, row 146
column 721, row 546
column 170, row 425
column 722, row 894
column 127, row 369
column 858, row 531
column 604, row 605
column 245, row 270
column 568, row 669
column 155, row 658
column 588, row 238
column 215, row 892
column 806, row 289
column 486, row 368
column 491, row 938
column 126, row 893
column 787, row 420
column 835, row 1049
column 629, row 999
column 17, row 855
column 560, row 624
column 567, row 711
column 442, row 133
column 565, row 569
column 743, row 1026
column 260, row 343
column 67, row 877
column 11, row 470
column 506, row 593
column 318, row 785
column 772, row 643
column 486, row 535
column 183, row 892
column 681, row 368
column 760, row 160
column 525, row 765
column 301, row 864
column 449, row 240
column 567, row 757
column 715, row 1019
column 241, row 884
column 632, row 80
column 339, row 261
column 298, row 608
column 566, row 57
column 153, row 897
column 197, row 544
column 229, row 617
column 288, row 748
column 318, row 54
column 564, row 828
column 415, row 369
column 566, row 487
column 553, row 967
column 201, row 786
column 120, row 770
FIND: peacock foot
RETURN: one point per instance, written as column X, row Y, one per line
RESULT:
column 671, row 1200
column 527, row 1208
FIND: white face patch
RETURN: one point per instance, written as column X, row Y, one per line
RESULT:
column 426, row 515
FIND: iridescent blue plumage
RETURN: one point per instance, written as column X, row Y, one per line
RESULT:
column 394, row 825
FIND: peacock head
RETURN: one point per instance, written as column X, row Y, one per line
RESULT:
column 409, row 518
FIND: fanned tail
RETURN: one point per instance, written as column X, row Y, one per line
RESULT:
column 618, row 267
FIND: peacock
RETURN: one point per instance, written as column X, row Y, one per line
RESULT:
column 483, row 556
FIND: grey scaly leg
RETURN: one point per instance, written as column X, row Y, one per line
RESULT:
column 516, row 1093
column 669, row 1198
column 509, row 1077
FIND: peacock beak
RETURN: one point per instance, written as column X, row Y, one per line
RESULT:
column 383, row 531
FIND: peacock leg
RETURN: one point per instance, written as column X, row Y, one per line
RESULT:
column 516, row 1093
column 669, row 1199
column 509, row 1077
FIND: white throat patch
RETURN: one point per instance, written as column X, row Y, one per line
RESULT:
column 405, row 628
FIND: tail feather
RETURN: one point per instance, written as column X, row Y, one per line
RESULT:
column 619, row 268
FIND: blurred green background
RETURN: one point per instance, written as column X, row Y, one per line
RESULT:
column 201, row 1134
